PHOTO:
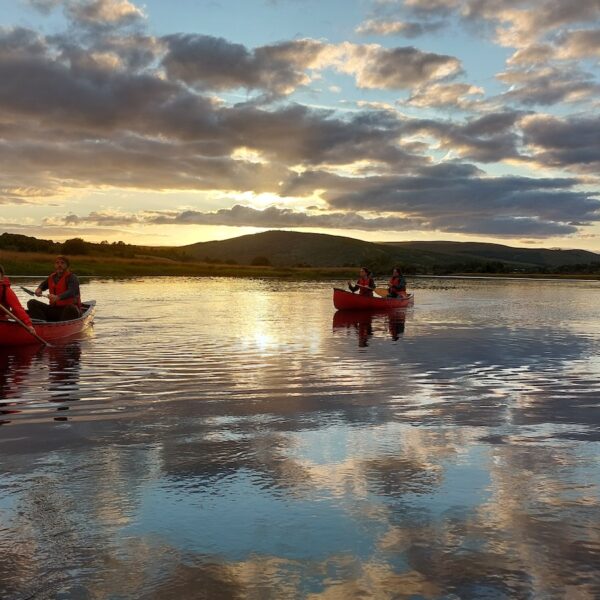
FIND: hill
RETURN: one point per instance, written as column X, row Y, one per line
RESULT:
column 286, row 248
column 295, row 254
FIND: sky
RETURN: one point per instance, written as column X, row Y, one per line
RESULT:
column 169, row 123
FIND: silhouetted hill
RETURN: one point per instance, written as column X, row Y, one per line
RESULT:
column 289, row 248
column 286, row 248
column 507, row 254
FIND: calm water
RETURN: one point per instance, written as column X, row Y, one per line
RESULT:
column 216, row 438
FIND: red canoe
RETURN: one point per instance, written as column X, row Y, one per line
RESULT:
column 13, row 334
column 344, row 300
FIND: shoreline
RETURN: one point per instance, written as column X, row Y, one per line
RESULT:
column 30, row 264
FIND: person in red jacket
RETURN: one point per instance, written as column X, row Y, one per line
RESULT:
column 365, row 284
column 397, row 284
column 9, row 300
column 63, row 288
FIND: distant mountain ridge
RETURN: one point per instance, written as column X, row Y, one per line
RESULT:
column 289, row 248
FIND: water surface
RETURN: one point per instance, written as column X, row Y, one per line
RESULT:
column 223, row 438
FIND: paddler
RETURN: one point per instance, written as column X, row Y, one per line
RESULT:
column 9, row 300
column 397, row 284
column 63, row 288
column 365, row 283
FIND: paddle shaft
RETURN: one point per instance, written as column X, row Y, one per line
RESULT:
column 33, row 333
column 31, row 293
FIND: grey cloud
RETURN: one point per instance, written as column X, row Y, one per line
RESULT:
column 526, row 20
column 564, row 143
column 243, row 216
column 400, row 68
column 449, row 195
column 547, row 86
column 580, row 44
column 489, row 138
column 215, row 63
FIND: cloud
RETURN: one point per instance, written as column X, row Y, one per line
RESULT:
column 215, row 63
column 104, row 12
column 565, row 143
column 489, row 138
column 244, row 216
column 459, row 96
column 400, row 28
column 548, row 85
column 94, row 13
column 580, row 44
column 397, row 68
column 456, row 197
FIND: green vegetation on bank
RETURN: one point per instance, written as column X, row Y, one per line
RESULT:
column 293, row 255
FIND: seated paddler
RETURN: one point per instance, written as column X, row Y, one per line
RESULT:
column 64, row 297
column 10, row 302
column 365, row 283
column 397, row 284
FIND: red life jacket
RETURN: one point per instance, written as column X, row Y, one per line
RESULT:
column 60, row 287
column 395, row 285
column 11, row 302
column 366, row 281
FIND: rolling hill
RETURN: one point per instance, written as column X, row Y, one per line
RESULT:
column 286, row 248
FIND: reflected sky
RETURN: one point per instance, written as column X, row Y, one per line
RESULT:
column 239, row 438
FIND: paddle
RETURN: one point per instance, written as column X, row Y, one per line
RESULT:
column 31, row 292
column 380, row 291
column 33, row 333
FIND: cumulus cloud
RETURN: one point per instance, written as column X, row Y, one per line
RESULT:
column 452, row 195
column 244, row 216
column 400, row 28
column 209, row 62
column 548, row 85
column 396, row 68
column 215, row 63
column 489, row 138
column 566, row 143
column 461, row 96
column 517, row 22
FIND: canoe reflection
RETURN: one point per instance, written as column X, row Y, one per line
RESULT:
column 364, row 323
column 18, row 365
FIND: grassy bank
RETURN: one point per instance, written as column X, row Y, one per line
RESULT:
column 36, row 264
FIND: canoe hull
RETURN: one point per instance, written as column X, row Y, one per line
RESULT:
column 344, row 300
column 12, row 334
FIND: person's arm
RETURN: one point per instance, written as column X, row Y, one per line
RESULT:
column 16, row 308
column 72, row 288
column 42, row 287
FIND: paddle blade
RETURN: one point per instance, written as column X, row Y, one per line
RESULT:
column 383, row 292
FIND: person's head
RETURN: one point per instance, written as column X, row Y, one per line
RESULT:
column 61, row 263
column 397, row 271
column 364, row 272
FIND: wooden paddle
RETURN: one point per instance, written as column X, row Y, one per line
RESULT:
column 383, row 292
column 33, row 333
